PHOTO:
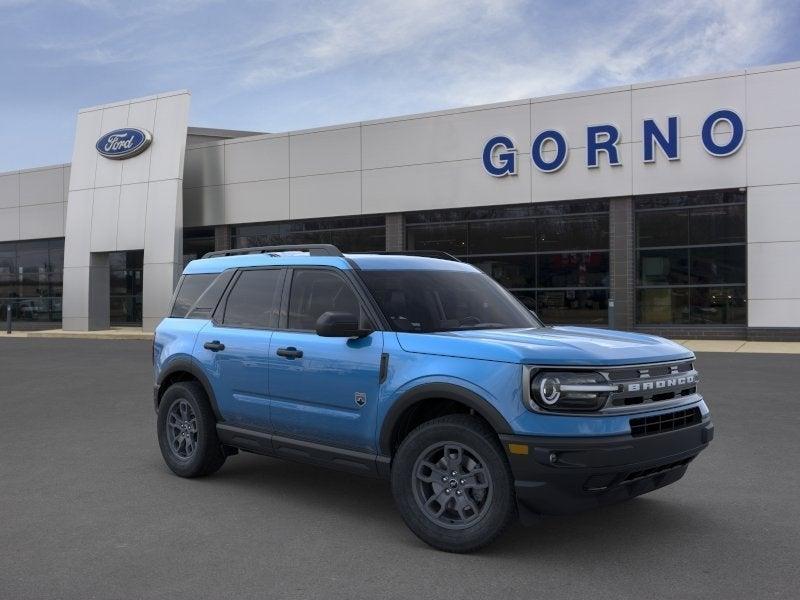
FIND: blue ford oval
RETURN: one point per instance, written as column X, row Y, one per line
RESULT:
column 124, row 143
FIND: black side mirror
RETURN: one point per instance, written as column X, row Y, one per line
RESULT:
column 340, row 324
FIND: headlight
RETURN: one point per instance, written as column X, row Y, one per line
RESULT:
column 570, row 390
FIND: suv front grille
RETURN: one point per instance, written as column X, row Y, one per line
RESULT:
column 637, row 475
column 665, row 422
column 656, row 383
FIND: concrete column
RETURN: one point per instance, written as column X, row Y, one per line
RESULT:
column 222, row 237
column 395, row 232
column 621, row 302
column 99, row 292
column 163, row 252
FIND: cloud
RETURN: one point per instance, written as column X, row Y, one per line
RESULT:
column 276, row 65
column 467, row 51
column 326, row 39
column 672, row 39
column 472, row 52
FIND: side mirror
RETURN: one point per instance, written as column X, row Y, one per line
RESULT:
column 340, row 324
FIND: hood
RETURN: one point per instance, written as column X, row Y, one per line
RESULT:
column 547, row 346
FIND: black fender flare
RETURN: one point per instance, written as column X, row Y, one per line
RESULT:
column 186, row 365
column 446, row 391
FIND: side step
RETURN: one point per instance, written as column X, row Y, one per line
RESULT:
column 332, row 457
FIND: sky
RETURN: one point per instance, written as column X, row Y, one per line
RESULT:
column 284, row 65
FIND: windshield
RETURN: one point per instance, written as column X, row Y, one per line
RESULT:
column 430, row 301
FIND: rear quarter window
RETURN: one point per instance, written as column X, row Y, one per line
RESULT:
column 189, row 290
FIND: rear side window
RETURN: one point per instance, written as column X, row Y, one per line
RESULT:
column 190, row 289
column 315, row 291
column 252, row 303
column 208, row 300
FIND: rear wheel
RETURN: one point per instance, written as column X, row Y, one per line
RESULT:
column 453, row 485
column 187, row 433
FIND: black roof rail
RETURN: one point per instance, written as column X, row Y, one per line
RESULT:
column 425, row 253
column 312, row 249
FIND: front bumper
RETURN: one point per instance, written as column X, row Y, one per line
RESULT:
column 560, row 475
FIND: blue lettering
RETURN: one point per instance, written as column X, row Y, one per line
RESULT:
column 737, row 137
column 508, row 158
column 561, row 151
column 652, row 135
column 601, row 138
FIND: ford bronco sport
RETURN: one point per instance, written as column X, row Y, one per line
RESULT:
column 424, row 371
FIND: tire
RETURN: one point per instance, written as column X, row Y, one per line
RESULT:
column 188, row 439
column 479, row 505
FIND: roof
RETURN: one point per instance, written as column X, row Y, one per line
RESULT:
column 367, row 262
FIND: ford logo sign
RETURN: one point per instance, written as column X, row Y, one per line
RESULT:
column 123, row 143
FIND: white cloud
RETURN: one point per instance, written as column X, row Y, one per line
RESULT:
column 673, row 39
column 450, row 52
column 326, row 39
column 476, row 51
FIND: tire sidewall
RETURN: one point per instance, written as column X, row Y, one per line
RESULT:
column 473, row 434
column 194, row 465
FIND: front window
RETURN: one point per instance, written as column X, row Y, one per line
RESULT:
column 432, row 301
column 315, row 292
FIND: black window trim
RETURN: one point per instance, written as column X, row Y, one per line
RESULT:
column 218, row 317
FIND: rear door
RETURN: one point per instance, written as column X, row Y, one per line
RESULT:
column 324, row 389
column 234, row 346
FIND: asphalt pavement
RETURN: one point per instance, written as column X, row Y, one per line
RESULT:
column 88, row 509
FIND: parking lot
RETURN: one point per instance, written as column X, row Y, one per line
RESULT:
column 88, row 509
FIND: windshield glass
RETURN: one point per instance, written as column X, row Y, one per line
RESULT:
column 430, row 301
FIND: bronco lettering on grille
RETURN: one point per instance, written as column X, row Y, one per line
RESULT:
column 659, row 384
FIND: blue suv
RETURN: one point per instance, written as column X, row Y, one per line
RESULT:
column 423, row 370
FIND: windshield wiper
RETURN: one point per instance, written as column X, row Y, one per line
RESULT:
column 483, row 326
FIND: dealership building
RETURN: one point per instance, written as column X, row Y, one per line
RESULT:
column 670, row 207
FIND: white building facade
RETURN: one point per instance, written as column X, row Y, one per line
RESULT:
column 671, row 207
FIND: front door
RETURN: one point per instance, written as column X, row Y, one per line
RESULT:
column 324, row 389
column 233, row 348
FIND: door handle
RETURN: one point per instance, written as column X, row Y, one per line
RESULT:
column 290, row 352
column 214, row 346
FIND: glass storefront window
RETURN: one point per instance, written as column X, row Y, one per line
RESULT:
column 126, row 287
column 31, row 281
column 585, row 232
column 197, row 242
column 668, row 266
column 349, row 234
column 657, row 306
column 662, row 228
column 718, row 305
column 692, row 259
column 512, row 272
column 499, row 236
column 564, row 307
column 447, row 238
column 724, row 224
column 575, row 269
column 554, row 257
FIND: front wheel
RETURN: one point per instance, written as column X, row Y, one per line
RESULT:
column 453, row 485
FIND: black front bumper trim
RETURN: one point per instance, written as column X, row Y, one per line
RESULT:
column 566, row 475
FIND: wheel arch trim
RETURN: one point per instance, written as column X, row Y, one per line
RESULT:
column 436, row 391
column 186, row 365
